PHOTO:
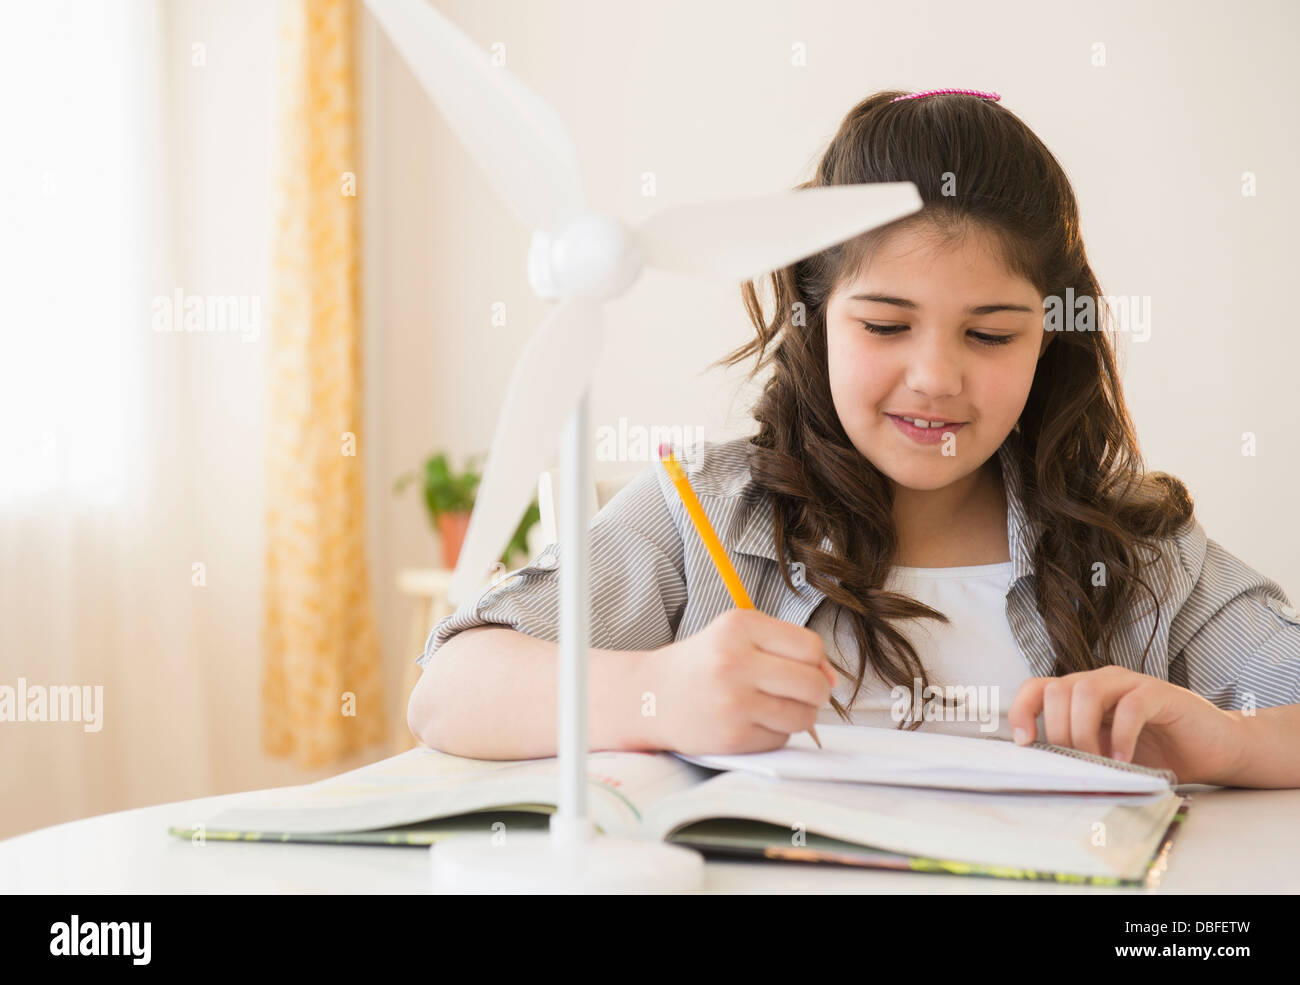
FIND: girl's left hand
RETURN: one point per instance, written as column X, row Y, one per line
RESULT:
column 1121, row 714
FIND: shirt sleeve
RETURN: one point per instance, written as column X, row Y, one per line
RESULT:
column 637, row 580
column 1236, row 639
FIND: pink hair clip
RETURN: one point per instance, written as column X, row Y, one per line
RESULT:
column 934, row 92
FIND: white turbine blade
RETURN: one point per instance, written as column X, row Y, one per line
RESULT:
column 548, row 379
column 514, row 137
column 744, row 238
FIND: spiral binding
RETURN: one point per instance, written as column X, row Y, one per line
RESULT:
column 1092, row 757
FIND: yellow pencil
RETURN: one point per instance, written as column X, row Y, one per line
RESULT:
column 711, row 542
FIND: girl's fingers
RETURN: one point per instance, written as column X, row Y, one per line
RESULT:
column 1086, row 707
column 780, row 677
column 781, row 638
column 1074, row 706
column 1026, row 705
column 831, row 674
column 1093, row 696
column 1056, row 710
column 1132, row 712
column 783, row 715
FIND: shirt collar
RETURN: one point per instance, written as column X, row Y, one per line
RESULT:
column 752, row 531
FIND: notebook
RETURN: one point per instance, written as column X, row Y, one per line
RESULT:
column 872, row 797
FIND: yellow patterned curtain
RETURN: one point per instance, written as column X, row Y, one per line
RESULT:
column 321, row 688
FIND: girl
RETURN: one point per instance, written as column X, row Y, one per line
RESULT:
column 944, row 487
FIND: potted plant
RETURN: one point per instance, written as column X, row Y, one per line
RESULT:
column 449, row 500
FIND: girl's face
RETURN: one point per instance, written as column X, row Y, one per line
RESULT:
column 959, row 340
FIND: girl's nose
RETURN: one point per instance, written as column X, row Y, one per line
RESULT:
column 934, row 371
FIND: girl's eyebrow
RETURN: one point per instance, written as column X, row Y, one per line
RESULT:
column 980, row 309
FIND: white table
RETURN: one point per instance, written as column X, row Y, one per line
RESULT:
column 1234, row 841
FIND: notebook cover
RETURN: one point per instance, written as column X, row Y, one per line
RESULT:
column 876, row 859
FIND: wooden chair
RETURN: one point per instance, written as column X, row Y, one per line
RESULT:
column 548, row 499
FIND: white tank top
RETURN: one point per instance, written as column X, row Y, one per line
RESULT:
column 974, row 648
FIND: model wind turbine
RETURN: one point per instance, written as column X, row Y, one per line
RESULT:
column 581, row 260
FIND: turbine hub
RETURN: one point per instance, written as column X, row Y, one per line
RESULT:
column 594, row 256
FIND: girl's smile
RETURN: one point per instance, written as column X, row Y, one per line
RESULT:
column 925, row 435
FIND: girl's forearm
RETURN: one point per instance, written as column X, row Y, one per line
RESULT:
column 491, row 693
column 1269, row 755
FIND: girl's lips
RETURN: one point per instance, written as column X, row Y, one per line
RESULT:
column 924, row 436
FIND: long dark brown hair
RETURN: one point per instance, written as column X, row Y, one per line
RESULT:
column 1076, row 452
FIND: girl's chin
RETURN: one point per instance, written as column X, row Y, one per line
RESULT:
column 920, row 470
column 928, row 482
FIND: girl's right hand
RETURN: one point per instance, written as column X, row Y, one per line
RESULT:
column 744, row 683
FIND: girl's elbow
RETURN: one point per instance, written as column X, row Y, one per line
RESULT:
column 419, row 710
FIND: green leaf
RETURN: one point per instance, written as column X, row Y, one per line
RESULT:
column 445, row 491
column 519, row 542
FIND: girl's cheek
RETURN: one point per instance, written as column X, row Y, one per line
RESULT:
column 866, row 365
column 1003, row 392
column 854, row 373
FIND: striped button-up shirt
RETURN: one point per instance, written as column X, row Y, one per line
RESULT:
column 1224, row 630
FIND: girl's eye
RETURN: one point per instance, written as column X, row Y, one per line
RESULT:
column 992, row 339
column 888, row 330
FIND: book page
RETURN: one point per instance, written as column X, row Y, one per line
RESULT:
column 880, row 755
column 423, row 784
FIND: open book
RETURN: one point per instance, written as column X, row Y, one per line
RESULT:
column 871, row 797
